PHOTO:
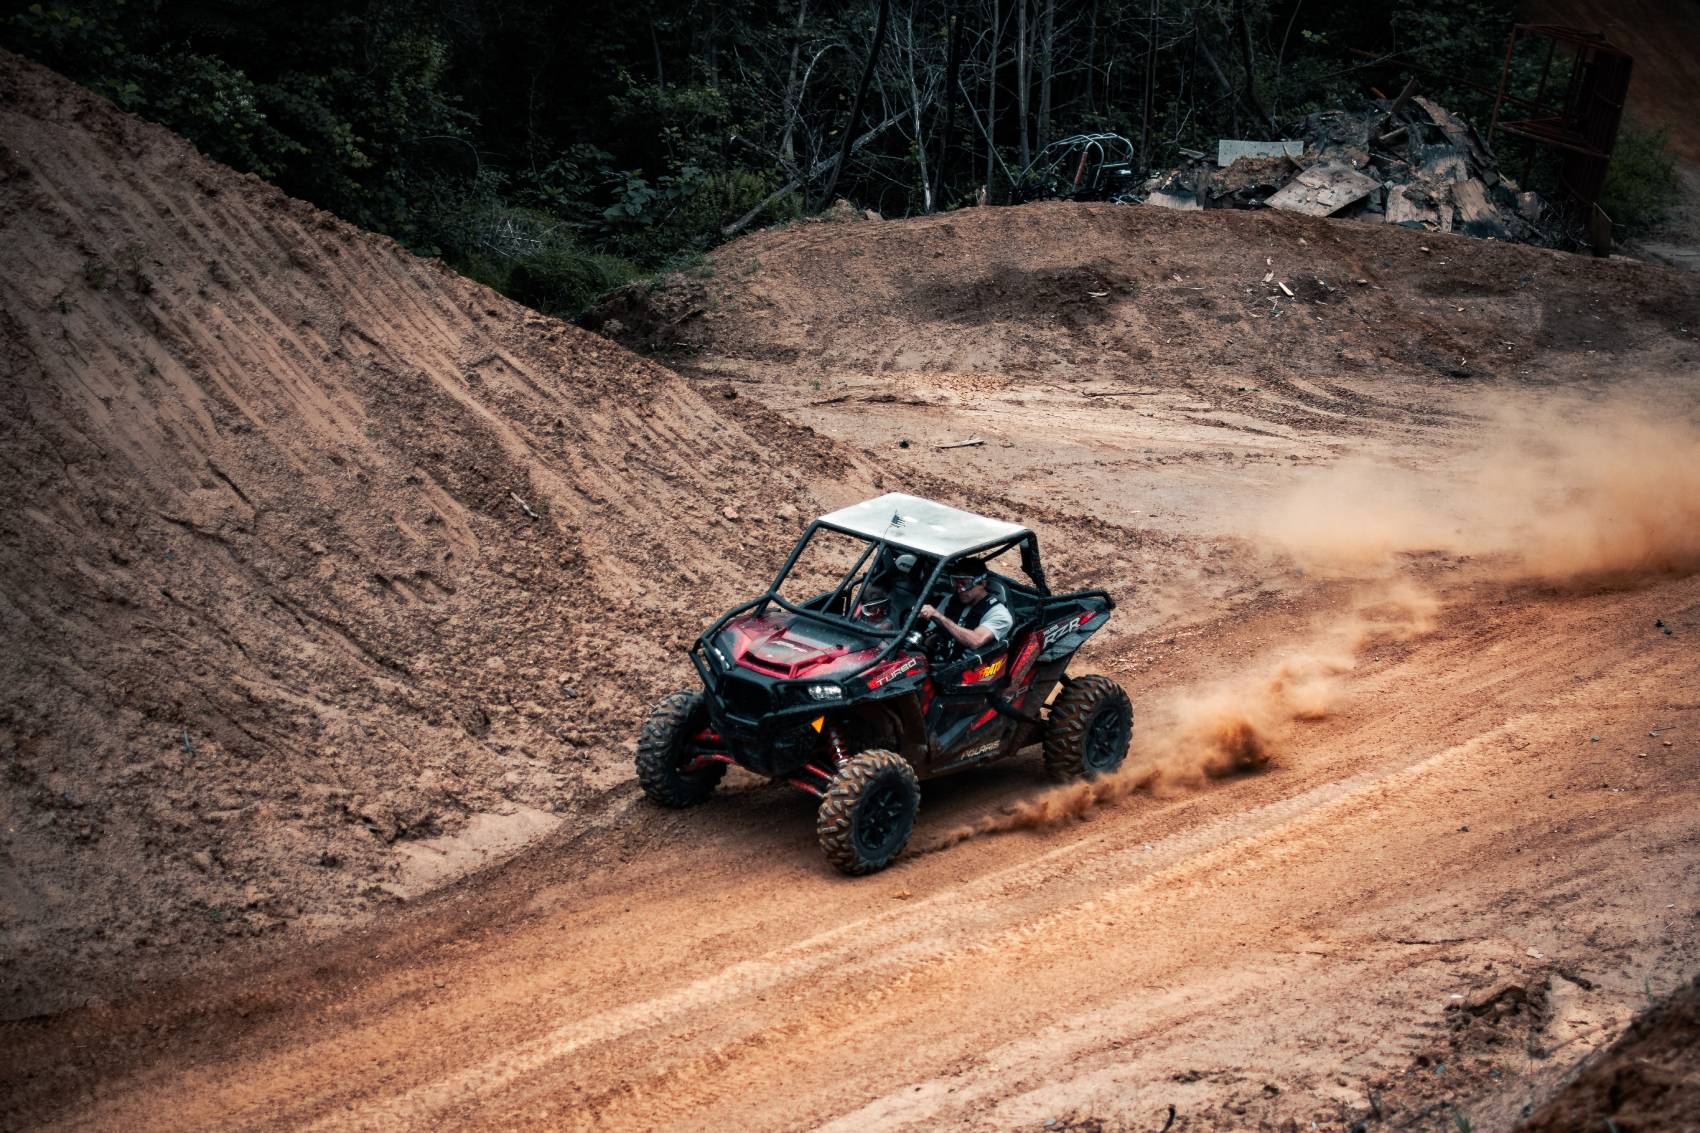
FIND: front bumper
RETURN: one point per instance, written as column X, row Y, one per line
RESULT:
column 762, row 734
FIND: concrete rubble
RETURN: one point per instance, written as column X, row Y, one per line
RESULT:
column 1407, row 161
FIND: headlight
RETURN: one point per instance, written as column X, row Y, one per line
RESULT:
column 826, row 692
column 719, row 656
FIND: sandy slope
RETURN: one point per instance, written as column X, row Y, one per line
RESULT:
column 273, row 599
column 1287, row 945
column 1423, row 534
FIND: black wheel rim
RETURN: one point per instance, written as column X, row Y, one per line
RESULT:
column 1106, row 739
column 881, row 819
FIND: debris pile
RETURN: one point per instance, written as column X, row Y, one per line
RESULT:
column 1408, row 162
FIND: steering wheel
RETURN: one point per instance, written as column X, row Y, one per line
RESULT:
column 937, row 644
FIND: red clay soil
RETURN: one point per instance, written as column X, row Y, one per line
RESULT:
column 1648, row 1081
column 274, row 612
column 1063, row 291
column 309, row 548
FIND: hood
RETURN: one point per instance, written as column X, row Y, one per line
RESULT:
column 783, row 645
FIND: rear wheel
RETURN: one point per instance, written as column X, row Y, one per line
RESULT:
column 1089, row 728
column 669, row 764
column 868, row 812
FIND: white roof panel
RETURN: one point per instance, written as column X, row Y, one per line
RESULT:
column 921, row 525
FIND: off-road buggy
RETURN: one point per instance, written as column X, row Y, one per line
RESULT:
column 831, row 682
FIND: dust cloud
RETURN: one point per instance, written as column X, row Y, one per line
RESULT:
column 1565, row 495
column 1232, row 726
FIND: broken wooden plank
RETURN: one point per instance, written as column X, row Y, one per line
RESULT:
column 1408, row 207
column 1230, row 150
column 1185, row 202
column 1122, row 392
column 1323, row 190
column 1404, row 97
column 1476, row 214
column 1462, row 135
column 1442, row 163
column 969, row 443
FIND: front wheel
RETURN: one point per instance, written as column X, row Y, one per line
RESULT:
column 1089, row 729
column 868, row 812
column 668, row 765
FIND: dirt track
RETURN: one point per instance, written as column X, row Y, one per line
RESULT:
column 1284, row 945
column 1442, row 893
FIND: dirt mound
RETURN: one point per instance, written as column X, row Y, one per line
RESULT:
column 1648, row 1080
column 1168, row 296
column 311, row 548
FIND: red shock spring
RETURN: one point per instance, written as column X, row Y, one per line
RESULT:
column 836, row 738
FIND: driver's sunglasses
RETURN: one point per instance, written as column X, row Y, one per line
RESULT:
column 964, row 581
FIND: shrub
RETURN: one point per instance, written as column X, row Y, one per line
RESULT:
column 681, row 214
column 533, row 257
column 563, row 280
column 1641, row 183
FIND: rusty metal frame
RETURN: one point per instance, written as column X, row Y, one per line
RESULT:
column 1581, row 124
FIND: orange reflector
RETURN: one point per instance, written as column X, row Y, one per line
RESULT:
column 817, row 722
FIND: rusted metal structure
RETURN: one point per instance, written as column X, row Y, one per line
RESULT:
column 1580, row 123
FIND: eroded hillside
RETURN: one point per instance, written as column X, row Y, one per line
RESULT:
column 312, row 548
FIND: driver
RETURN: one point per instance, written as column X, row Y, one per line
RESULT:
column 971, row 615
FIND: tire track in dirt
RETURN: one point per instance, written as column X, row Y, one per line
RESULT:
column 909, row 974
column 721, row 1039
column 249, row 437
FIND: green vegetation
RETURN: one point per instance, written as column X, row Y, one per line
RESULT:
column 555, row 151
column 1641, row 182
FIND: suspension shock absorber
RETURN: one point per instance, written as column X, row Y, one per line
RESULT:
column 835, row 738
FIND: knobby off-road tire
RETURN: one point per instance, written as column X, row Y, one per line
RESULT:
column 868, row 812
column 664, row 747
column 1089, row 728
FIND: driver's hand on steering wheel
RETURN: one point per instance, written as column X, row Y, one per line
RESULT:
column 928, row 613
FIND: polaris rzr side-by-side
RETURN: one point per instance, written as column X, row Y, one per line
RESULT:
column 847, row 680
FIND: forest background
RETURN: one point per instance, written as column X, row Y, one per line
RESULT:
column 555, row 151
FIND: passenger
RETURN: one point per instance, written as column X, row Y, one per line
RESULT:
column 875, row 608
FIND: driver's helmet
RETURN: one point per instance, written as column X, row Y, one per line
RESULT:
column 964, row 576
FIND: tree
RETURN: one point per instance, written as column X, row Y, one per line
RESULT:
column 861, row 96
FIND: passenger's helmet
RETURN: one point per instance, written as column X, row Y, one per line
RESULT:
column 875, row 604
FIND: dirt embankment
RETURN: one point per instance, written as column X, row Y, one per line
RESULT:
column 1648, row 1080
column 311, row 548
column 1160, row 297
